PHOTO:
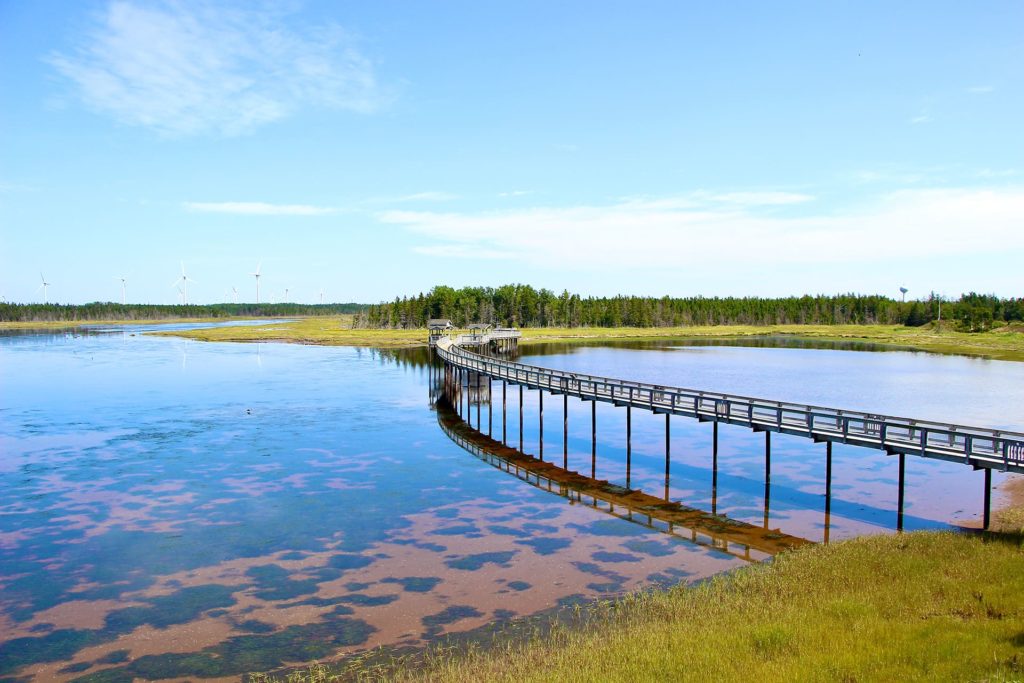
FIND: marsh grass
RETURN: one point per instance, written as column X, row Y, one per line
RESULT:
column 917, row 606
column 1005, row 344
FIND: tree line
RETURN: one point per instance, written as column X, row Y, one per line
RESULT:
column 106, row 310
column 519, row 305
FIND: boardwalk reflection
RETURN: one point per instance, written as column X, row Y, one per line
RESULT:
column 740, row 539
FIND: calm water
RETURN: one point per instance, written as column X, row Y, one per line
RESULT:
column 179, row 510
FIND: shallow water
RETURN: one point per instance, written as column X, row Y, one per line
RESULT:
column 173, row 509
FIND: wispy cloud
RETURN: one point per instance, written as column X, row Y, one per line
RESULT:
column 258, row 208
column 631, row 234
column 466, row 251
column 997, row 172
column 762, row 198
column 893, row 175
column 514, row 193
column 16, row 187
column 980, row 89
column 192, row 68
column 923, row 118
column 428, row 197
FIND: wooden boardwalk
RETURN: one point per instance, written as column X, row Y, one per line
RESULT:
column 979, row 447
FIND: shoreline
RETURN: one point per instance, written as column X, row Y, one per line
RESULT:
column 1008, row 516
column 1004, row 344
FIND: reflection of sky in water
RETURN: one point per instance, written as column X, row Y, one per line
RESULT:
column 178, row 509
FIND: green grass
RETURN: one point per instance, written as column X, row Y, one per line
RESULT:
column 1005, row 344
column 920, row 606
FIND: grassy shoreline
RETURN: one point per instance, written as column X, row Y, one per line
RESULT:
column 918, row 606
column 1001, row 344
column 1005, row 344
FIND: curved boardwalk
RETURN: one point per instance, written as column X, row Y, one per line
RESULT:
column 978, row 447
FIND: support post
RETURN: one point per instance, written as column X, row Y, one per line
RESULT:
column 767, row 456
column 478, row 401
column 565, row 431
column 629, row 444
column 540, row 410
column 714, row 469
column 521, row 444
column 593, row 439
column 504, row 413
column 668, row 450
column 988, row 498
column 490, row 405
column 899, row 505
column 828, row 488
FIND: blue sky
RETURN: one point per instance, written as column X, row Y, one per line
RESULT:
column 376, row 149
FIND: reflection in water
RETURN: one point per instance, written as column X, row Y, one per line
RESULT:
column 731, row 536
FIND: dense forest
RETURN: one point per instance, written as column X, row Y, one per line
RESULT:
column 113, row 311
column 524, row 306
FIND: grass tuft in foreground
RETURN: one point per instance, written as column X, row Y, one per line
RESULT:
column 917, row 606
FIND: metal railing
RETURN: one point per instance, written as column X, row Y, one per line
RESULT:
column 977, row 446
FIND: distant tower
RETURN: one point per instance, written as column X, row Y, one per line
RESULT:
column 903, row 293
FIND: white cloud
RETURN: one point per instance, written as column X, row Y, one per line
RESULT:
column 192, row 68
column 762, row 198
column 909, row 224
column 259, row 208
column 923, row 118
column 16, row 187
column 980, row 89
column 514, row 193
column 428, row 197
column 461, row 251
column 997, row 172
column 891, row 175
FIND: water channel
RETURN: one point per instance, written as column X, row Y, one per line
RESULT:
column 181, row 510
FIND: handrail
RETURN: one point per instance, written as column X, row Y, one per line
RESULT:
column 978, row 446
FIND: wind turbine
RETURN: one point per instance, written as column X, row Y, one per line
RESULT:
column 184, row 280
column 321, row 296
column 123, row 280
column 257, row 276
column 903, row 293
column 43, row 286
column 286, row 294
column 234, row 290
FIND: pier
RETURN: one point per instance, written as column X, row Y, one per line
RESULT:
column 976, row 447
